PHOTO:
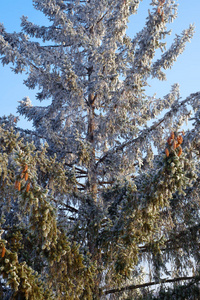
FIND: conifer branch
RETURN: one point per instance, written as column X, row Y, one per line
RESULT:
column 145, row 132
column 148, row 284
column 166, row 244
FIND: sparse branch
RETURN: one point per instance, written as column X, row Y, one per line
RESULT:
column 82, row 185
column 105, row 182
column 147, row 284
column 102, row 17
column 67, row 206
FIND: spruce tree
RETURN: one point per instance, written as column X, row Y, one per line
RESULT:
column 100, row 200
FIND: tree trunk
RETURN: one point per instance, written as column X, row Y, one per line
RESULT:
column 92, row 176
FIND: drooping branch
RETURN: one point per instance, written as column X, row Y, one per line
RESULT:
column 147, row 284
column 170, row 242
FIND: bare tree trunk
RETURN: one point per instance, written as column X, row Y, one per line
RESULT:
column 92, row 176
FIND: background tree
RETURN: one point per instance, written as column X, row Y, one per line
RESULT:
column 96, row 193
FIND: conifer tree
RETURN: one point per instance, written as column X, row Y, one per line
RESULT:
column 97, row 202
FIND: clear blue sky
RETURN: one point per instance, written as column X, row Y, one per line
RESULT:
column 186, row 70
